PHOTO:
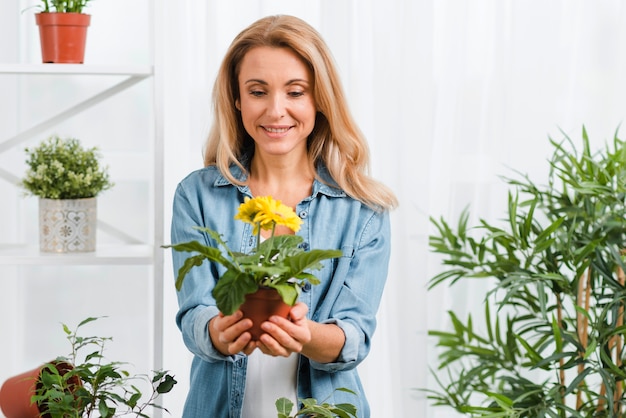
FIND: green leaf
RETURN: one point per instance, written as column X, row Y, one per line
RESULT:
column 284, row 407
column 167, row 384
column 231, row 290
column 309, row 260
column 287, row 292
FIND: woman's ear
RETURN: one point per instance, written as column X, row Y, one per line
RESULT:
column 238, row 105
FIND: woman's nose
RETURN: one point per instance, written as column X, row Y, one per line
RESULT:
column 276, row 106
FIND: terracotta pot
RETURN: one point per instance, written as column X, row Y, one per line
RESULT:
column 16, row 392
column 262, row 304
column 63, row 37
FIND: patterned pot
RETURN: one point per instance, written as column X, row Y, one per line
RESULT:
column 67, row 225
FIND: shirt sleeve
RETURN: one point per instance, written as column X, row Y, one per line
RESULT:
column 196, row 303
column 354, row 298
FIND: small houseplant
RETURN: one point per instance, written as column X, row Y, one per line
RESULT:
column 311, row 408
column 88, row 385
column 277, row 264
column 63, row 30
column 67, row 179
column 552, row 340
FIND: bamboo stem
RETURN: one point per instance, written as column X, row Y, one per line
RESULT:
column 582, row 325
column 559, row 317
column 619, row 345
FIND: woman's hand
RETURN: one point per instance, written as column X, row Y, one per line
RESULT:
column 285, row 336
column 229, row 334
column 319, row 342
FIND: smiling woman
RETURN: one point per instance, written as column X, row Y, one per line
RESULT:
column 277, row 134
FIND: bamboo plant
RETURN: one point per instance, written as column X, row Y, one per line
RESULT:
column 551, row 343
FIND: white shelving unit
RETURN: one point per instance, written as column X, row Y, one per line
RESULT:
column 128, row 253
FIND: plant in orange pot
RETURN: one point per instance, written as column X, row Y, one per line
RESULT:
column 63, row 31
column 83, row 384
column 269, row 279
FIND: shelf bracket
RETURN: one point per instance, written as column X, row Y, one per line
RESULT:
column 68, row 113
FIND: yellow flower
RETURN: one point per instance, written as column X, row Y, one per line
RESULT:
column 264, row 212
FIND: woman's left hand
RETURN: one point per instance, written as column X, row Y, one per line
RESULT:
column 285, row 336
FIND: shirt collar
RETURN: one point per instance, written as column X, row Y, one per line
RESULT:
column 323, row 184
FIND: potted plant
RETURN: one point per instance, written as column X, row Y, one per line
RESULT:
column 67, row 178
column 82, row 386
column 311, row 408
column 63, row 30
column 552, row 340
column 271, row 276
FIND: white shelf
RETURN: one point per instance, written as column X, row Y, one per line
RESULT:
column 104, row 255
column 77, row 69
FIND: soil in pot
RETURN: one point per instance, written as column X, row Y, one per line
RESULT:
column 262, row 304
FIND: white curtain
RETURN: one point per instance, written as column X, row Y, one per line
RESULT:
column 451, row 94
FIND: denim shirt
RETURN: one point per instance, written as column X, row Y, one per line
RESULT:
column 348, row 296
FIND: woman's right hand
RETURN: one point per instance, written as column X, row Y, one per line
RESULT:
column 229, row 334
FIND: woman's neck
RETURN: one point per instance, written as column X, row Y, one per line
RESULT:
column 289, row 182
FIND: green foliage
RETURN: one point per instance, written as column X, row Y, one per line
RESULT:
column 94, row 387
column 554, row 344
column 64, row 6
column 278, row 263
column 312, row 409
column 63, row 169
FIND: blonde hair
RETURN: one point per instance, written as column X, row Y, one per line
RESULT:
column 335, row 140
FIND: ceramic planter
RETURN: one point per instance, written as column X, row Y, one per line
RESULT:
column 16, row 392
column 67, row 225
column 262, row 304
column 63, row 37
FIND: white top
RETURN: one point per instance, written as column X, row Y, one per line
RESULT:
column 267, row 379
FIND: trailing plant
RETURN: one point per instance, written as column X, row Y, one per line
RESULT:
column 552, row 340
column 93, row 387
column 63, row 169
column 278, row 262
column 312, row 409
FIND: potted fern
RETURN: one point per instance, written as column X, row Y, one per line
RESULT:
column 551, row 340
column 63, row 30
column 67, row 178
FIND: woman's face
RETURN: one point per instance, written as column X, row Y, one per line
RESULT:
column 276, row 101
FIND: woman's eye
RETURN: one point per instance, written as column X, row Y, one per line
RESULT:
column 296, row 93
column 257, row 93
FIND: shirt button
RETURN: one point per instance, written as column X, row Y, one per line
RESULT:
column 306, row 287
column 305, row 246
column 303, row 214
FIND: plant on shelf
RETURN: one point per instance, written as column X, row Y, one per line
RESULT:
column 552, row 341
column 90, row 386
column 312, row 409
column 277, row 263
column 63, row 30
column 67, row 178
column 63, row 169
column 63, row 6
